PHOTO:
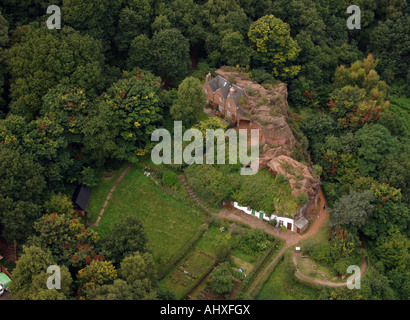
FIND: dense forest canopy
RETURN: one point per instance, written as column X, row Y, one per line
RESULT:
column 78, row 100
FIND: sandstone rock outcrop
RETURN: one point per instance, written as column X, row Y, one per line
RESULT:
column 268, row 110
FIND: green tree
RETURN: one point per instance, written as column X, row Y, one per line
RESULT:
column 96, row 19
column 170, row 54
column 136, row 106
column 100, row 132
column 22, row 185
column 43, row 58
column 273, row 43
column 221, row 278
column 352, row 210
column 128, row 236
column 139, row 54
column 186, row 16
column 395, row 170
column 134, row 19
column 40, row 291
column 363, row 75
column 138, row 269
column 323, row 253
column 374, row 143
column 389, row 43
column 393, row 250
column 4, row 39
column 33, row 261
column 119, row 290
column 190, row 102
column 389, row 212
column 59, row 204
column 97, row 273
column 67, row 239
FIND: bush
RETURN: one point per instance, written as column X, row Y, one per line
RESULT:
column 169, row 178
column 302, row 199
column 223, row 253
column 322, row 253
column 221, row 278
column 253, row 242
column 273, row 222
column 307, row 247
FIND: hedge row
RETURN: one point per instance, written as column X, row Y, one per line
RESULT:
column 258, row 266
column 184, row 251
column 265, row 278
column 204, row 275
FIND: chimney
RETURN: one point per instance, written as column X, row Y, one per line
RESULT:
column 208, row 76
column 232, row 91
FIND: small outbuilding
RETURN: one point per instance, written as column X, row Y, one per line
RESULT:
column 81, row 198
column 301, row 225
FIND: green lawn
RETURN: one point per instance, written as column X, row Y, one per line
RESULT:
column 276, row 289
column 100, row 192
column 168, row 223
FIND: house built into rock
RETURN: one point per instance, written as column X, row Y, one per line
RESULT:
column 250, row 105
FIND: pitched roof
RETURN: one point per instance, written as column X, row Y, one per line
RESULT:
column 219, row 83
column 81, row 197
column 301, row 222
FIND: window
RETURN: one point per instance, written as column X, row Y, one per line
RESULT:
column 220, row 99
column 229, row 104
column 228, row 113
column 206, row 91
column 220, row 107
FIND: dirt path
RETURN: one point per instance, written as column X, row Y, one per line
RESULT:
column 110, row 194
column 291, row 239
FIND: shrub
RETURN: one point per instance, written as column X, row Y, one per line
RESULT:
column 251, row 91
column 221, row 278
column 302, row 198
column 322, row 253
column 307, row 247
column 169, row 178
column 253, row 242
column 223, row 253
column 273, row 222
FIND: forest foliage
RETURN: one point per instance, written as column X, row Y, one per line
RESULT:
column 76, row 101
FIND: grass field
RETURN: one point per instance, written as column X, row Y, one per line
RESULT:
column 100, row 192
column 168, row 223
column 276, row 289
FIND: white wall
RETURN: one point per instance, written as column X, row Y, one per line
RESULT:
column 265, row 217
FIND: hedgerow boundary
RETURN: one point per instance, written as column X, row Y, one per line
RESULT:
column 258, row 267
column 183, row 252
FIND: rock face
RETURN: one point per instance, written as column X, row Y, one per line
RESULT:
column 265, row 109
column 299, row 176
column 268, row 110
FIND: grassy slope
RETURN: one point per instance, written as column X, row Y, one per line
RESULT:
column 275, row 289
column 169, row 224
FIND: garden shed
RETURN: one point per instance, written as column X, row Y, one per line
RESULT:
column 301, row 224
column 81, row 198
